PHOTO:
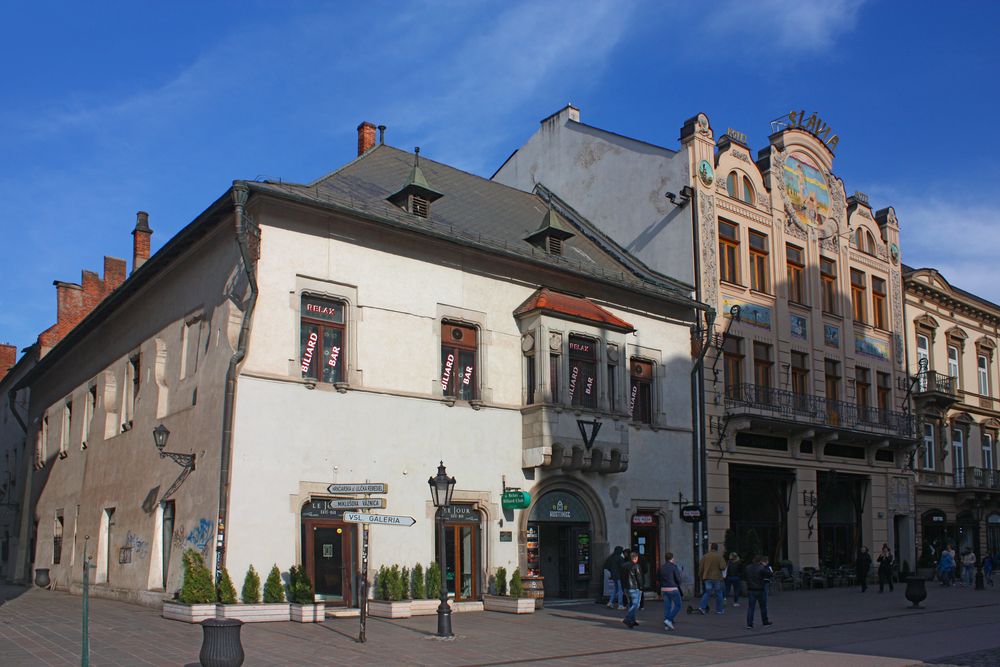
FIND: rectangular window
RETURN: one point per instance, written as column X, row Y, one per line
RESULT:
column 928, row 446
column 862, row 388
column 323, row 339
column 828, row 276
column 554, row 378
column 758, row 262
column 884, row 394
column 458, row 361
column 191, row 335
column 67, row 427
column 923, row 354
column 762, row 365
column 800, row 374
column 641, row 391
column 133, row 378
column 88, row 414
column 612, row 387
column 953, row 362
column 984, row 375
column 57, row 538
column 529, row 378
column 729, row 252
column 878, row 303
column 795, row 268
column 858, row 297
column 582, row 372
column 832, row 378
column 732, row 351
column 988, row 451
column 958, row 455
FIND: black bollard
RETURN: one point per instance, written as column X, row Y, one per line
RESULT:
column 221, row 646
column 916, row 591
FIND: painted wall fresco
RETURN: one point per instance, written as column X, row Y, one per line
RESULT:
column 799, row 327
column 831, row 335
column 807, row 191
column 871, row 347
column 750, row 313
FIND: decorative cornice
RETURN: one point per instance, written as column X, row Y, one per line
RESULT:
column 951, row 302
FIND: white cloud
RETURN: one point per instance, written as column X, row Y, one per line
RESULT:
column 785, row 27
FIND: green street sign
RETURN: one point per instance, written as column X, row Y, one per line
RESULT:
column 515, row 500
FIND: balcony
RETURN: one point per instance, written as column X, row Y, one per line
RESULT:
column 750, row 400
column 978, row 479
column 935, row 389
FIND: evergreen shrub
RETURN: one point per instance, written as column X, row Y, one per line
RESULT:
column 251, row 587
column 197, row 587
column 274, row 590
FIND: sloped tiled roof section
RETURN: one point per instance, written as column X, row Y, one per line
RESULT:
column 474, row 207
column 576, row 307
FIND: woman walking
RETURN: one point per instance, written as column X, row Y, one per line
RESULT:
column 862, row 566
column 885, row 568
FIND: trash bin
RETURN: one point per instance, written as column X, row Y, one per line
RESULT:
column 220, row 645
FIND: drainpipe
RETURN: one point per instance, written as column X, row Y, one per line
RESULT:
column 23, row 527
column 240, row 194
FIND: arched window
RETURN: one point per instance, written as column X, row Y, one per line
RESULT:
column 731, row 184
column 869, row 243
column 858, row 236
column 748, row 193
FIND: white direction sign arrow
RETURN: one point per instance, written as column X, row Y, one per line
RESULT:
column 368, row 487
column 357, row 503
column 380, row 519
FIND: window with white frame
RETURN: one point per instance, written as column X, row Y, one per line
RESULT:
column 953, row 361
column 928, row 446
column 958, row 455
column 984, row 375
column 988, row 451
column 923, row 353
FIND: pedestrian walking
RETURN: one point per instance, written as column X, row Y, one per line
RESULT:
column 968, row 566
column 862, row 566
column 613, row 566
column 734, row 577
column 946, row 563
column 758, row 577
column 632, row 581
column 885, row 563
column 710, row 570
column 670, row 589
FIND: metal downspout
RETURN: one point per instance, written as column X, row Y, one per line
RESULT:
column 240, row 194
column 23, row 512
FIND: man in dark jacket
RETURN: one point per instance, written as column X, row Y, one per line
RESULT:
column 614, row 567
column 670, row 589
column 758, row 576
column 632, row 581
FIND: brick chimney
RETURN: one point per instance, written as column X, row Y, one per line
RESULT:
column 8, row 357
column 69, row 312
column 140, row 240
column 366, row 137
column 114, row 274
column 93, row 290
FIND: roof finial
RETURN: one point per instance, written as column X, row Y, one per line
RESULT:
column 416, row 156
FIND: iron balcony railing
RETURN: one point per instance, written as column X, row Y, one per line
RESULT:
column 932, row 381
column 819, row 410
column 978, row 478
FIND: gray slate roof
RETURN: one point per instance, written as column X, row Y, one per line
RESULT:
column 472, row 209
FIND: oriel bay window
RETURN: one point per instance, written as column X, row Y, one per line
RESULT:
column 878, row 303
column 322, row 339
column 795, row 267
column 641, row 391
column 758, row 261
column 458, row 361
column 828, row 276
column 858, row 284
column 729, row 252
column 583, row 371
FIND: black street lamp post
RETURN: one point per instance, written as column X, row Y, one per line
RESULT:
column 442, row 488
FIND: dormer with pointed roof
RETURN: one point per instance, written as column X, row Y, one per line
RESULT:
column 416, row 194
column 551, row 234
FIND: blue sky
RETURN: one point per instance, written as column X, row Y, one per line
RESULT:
column 112, row 107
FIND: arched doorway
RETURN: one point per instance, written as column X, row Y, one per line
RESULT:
column 559, row 537
column 935, row 534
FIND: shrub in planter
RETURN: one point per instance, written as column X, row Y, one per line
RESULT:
column 224, row 590
column 516, row 587
column 433, row 580
column 391, row 598
column 419, row 591
column 395, row 584
column 501, row 581
column 304, row 607
column 251, row 587
column 405, row 582
column 196, row 601
column 274, row 590
column 381, row 588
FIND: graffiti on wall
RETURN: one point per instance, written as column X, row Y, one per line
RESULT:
column 200, row 537
column 139, row 547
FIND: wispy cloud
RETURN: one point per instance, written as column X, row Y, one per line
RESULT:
column 784, row 27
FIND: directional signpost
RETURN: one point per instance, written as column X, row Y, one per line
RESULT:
column 364, row 519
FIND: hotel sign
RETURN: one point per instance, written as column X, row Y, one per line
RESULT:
column 815, row 126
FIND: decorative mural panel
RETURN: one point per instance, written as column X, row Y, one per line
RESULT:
column 896, row 294
column 750, row 313
column 871, row 347
column 806, row 190
column 831, row 335
column 709, row 234
column 799, row 327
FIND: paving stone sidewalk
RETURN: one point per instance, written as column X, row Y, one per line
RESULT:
column 811, row 628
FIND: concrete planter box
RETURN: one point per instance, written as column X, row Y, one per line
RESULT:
column 188, row 613
column 254, row 613
column 509, row 605
column 464, row 606
column 386, row 609
column 424, row 607
column 308, row 613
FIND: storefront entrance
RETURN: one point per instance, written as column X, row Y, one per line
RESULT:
column 759, row 499
column 558, row 545
column 462, row 547
column 328, row 552
column 841, row 508
column 646, row 542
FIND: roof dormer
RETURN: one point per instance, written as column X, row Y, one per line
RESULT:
column 551, row 234
column 416, row 194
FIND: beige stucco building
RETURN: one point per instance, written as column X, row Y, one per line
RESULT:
column 952, row 343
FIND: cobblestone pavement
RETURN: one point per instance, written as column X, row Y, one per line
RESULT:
column 811, row 628
column 988, row 658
